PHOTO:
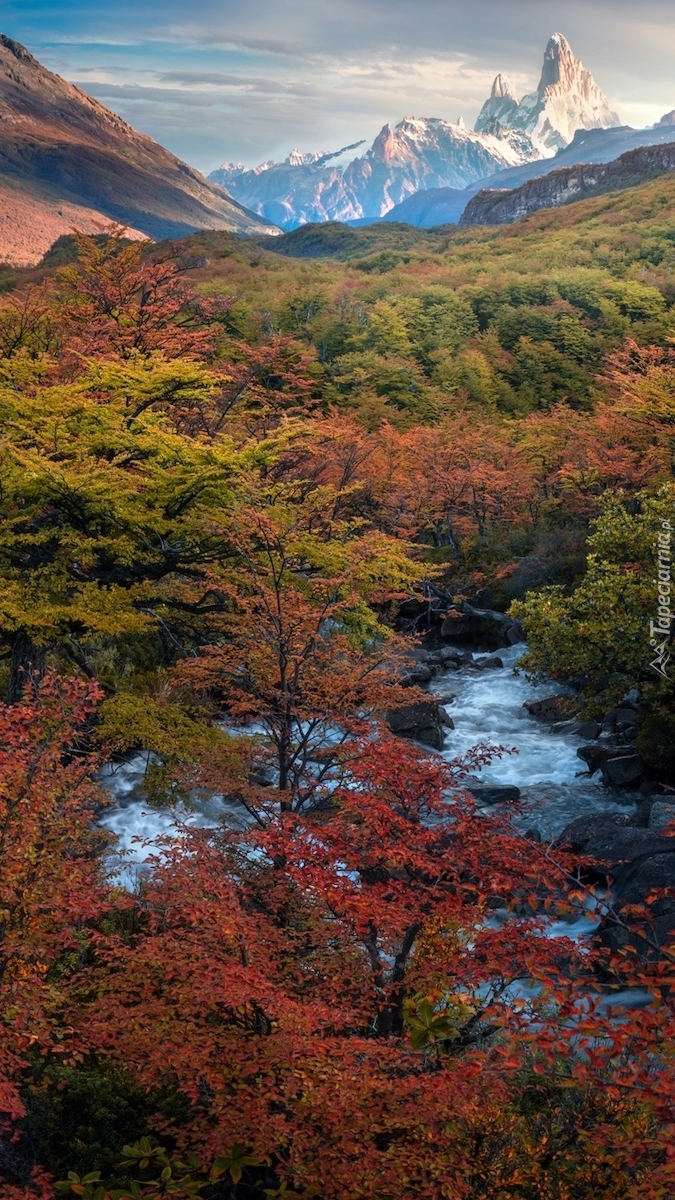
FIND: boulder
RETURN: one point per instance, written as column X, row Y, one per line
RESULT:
column 578, row 833
column 595, row 756
column 481, row 627
column 449, row 699
column 419, row 722
column 570, row 726
column 549, row 709
column 613, row 849
column 490, row 794
column 624, row 719
column 635, row 885
column 623, row 772
column 588, row 730
column 661, row 815
column 420, row 673
column 446, row 721
column 489, row 664
column 515, row 634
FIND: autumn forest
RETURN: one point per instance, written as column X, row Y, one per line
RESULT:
column 245, row 490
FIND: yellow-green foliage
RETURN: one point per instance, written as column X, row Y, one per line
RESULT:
column 405, row 332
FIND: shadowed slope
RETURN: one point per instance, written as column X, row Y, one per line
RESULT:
column 60, row 145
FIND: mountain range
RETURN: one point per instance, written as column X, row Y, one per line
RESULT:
column 66, row 161
column 420, row 154
column 445, row 206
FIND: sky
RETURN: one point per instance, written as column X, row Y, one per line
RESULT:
column 247, row 80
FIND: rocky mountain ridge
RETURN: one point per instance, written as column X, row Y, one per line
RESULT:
column 501, row 207
column 66, row 160
column 444, row 206
column 418, row 153
column 423, row 153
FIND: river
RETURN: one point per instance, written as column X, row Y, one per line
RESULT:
column 488, row 708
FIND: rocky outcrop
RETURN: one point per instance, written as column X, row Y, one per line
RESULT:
column 61, row 152
column 640, row 865
column 500, row 207
column 567, row 99
column 549, row 709
column 465, row 623
column 420, row 722
column 490, row 795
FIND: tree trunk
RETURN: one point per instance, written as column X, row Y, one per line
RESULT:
column 27, row 669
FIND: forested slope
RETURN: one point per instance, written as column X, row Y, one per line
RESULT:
column 231, row 481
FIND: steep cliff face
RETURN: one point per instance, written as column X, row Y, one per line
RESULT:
column 501, row 207
column 62, row 150
column 567, row 99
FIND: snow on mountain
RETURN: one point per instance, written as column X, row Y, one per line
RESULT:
column 426, row 152
column 567, row 99
column 419, row 152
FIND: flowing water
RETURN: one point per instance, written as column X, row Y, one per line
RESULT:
column 488, row 708
column 554, row 785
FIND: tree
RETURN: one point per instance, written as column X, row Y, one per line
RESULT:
column 51, row 892
column 301, row 654
column 121, row 298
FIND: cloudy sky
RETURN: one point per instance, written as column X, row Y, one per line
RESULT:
column 246, row 80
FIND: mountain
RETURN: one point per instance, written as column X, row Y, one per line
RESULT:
column 501, row 207
column 424, row 153
column 419, row 152
column 66, row 161
column 444, row 206
column 567, row 99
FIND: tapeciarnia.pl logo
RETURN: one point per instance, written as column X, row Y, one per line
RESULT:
column 660, row 630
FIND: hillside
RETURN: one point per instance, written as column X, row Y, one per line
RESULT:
column 499, row 207
column 66, row 161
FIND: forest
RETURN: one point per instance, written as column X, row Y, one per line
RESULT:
column 233, row 477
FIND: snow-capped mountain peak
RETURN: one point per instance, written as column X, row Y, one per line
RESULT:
column 567, row 99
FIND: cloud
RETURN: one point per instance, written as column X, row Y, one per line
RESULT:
column 248, row 79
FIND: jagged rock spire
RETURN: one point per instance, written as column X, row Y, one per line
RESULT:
column 567, row 99
column 503, row 89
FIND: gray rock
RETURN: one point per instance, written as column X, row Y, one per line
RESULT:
column 624, row 718
column 549, row 709
column 449, row 699
column 595, row 756
column 489, row 794
column 588, row 730
column 419, row 722
column 661, row 814
column 420, row 673
column 570, row 726
column 515, row 634
column 449, row 655
column 578, row 833
column 489, row 664
column 623, row 772
column 446, row 721
column 614, row 848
